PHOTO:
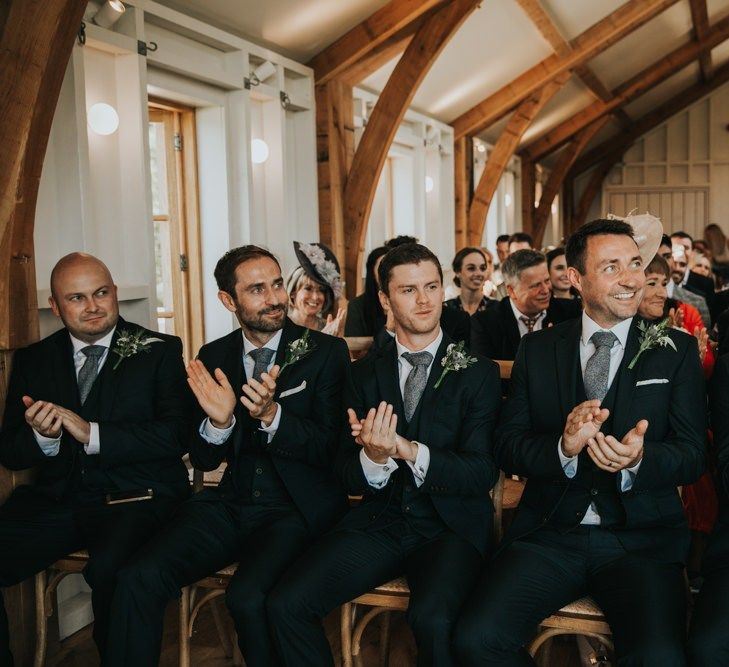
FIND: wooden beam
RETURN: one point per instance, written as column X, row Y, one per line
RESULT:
column 617, row 145
column 371, row 153
column 463, row 173
column 334, row 152
column 585, row 46
column 502, row 153
column 558, row 174
column 528, row 194
column 594, row 186
column 700, row 19
column 631, row 89
column 367, row 36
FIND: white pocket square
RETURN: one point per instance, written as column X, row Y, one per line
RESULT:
column 641, row 383
column 301, row 387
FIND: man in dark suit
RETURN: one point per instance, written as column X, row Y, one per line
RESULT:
column 269, row 399
column 98, row 424
column 709, row 633
column 698, row 286
column 529, row 306
column 604, row 435
column 420, row 453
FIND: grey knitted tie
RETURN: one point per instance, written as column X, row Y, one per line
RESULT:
column 261, row 358
column 597, row 370
column 89, row 370
column 417, row 378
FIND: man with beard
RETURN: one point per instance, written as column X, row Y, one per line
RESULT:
column 269, row 399
column 102, row 427
column 418, row 449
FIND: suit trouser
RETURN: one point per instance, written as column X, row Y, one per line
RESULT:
column 709, row 632
column 205, row 535
column 36, row 531
column 346, row 563
column 643, row 599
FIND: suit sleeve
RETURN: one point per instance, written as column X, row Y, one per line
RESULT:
column 518, row 449
column 469, row 470
column 680, row 457
column 313, row 438
column 18, row 447
column 719, row 397
column 163, row 436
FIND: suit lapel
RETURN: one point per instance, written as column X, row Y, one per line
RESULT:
column 567, row 360
column 430, row 395
column 626, row 378
column 290, row 332
column 64, row 373
column 512, row 326
column 388, row 384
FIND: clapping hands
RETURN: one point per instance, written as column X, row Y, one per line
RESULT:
column 377, row 433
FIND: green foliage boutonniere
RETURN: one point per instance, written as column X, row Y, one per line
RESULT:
column 130, row 343
column 652, row 335
column 296, row 350
column 456, row 358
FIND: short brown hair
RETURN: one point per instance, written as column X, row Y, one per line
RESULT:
column 408, row 253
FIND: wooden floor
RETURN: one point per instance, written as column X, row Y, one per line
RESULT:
column 207, row 652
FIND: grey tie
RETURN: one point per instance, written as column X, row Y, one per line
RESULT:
column 261, row 358
column 89, row 370
column 597, row 370
column 417, row 378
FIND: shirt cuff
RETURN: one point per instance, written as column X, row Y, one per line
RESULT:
column 94, row 445
column 627, row 476
column 376, row 474
column 49, row 446
column 271, row 429
column 422, row 461
column 214, row 435
column 568, row 463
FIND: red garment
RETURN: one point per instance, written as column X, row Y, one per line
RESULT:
column 691, row 321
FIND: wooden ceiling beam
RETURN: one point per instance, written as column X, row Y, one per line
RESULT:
column 369, row 158
column 618, row 145
column 630, row 90
column 559, row 172
column 700, row 19
column 585, row 46
column 356, row 44
column 501, row 154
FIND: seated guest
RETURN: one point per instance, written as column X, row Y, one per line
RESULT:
column 520, row 241
column 694, row 281
column 470, row 269
column 419, row 453
column 502, row 252
column 365, row 316
column 701, row 265
column 270, row 405
column 678, row 288
column 489, row 286
column 605, row 430
column 314, row 288
column 557, row 267
column 709, row 632
column 496, row 332
column 99, row 410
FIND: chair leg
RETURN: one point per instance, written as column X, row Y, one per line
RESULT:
column 185, row 627
column 226, row 642
column 41, row 620
column 346, row 633
column 385, row 639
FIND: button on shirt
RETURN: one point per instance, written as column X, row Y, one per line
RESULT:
column 218, row 436
column 51, row 446
column 587, row 349
column 523, row 329
column 378, row 474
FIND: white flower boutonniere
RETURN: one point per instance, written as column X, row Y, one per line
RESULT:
column 296, row 350
column 652, row 335
column 131, row 342
column 456, row 358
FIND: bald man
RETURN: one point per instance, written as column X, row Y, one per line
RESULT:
column 104, row 426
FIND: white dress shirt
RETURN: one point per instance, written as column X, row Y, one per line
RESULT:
column 587, row 349
column 378, row 474
column 218, row 436
column 523, row 329
column 51, row 446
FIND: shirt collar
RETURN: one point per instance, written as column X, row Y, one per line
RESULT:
column 271, row 344
column 518, row 314
column 589, row 327
column 432, row 348
column 78, row 345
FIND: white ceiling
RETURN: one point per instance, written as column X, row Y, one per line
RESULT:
column 493, row 46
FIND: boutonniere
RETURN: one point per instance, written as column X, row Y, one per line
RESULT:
column 297, row 350
column 652, row 335
column 130, row 343
column 456, row 358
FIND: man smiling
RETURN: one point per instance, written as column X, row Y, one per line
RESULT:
column 604, row 435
